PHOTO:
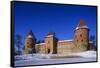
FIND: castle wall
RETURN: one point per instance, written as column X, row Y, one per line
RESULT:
column 80, row 42
column 67, row 46
column 40, row 48
column 63, row 47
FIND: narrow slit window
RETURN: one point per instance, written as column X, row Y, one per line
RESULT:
column 80, row 35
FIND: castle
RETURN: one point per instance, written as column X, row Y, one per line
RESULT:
column 52, row 45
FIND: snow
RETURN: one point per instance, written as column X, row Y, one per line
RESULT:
column 39, row 59
column 65, row 40
column 81, row 27
column 90, row 41
column 40, row 44
column 50, row 35
column 89, row 54
column 29, row 36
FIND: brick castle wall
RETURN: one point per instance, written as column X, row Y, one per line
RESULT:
column 51, row 44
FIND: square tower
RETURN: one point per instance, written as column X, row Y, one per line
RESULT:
column 51, row 43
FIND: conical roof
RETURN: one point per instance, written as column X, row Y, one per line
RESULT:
column 51, row 33
column 81, row 24
column 30, row 34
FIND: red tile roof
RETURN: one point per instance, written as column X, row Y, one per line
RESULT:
column 81, row 23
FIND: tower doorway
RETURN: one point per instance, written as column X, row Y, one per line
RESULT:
column 48, row 51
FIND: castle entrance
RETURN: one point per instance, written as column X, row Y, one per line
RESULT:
column 48, row 51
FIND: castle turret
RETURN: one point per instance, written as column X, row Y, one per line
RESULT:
column 30, row 43
column 51, row 43
column 82, row 35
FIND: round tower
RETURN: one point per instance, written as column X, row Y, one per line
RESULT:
column 82, row 36
column 51, row 43
column 30, row 43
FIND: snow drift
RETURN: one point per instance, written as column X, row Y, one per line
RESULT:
column 86, row 54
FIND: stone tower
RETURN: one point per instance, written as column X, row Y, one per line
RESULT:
column 30, row 43
column 51, row 43
column 81, row 38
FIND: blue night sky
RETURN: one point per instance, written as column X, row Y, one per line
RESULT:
column 61, row 19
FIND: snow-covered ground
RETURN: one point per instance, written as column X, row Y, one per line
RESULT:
column 39, row 59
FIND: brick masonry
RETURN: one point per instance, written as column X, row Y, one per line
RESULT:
column 79, row 43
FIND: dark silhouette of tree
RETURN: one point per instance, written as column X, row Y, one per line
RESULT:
column 42, row 41
column 92, row 38
column 38, row 41
column 18, row 43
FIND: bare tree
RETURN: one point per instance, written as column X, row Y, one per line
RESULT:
column 18, row 43
column 93, row 39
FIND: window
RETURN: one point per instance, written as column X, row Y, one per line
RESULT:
column 80, row 35
column 77, row 40
column 82, row 40
column 28, row 46
column 27, row 42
